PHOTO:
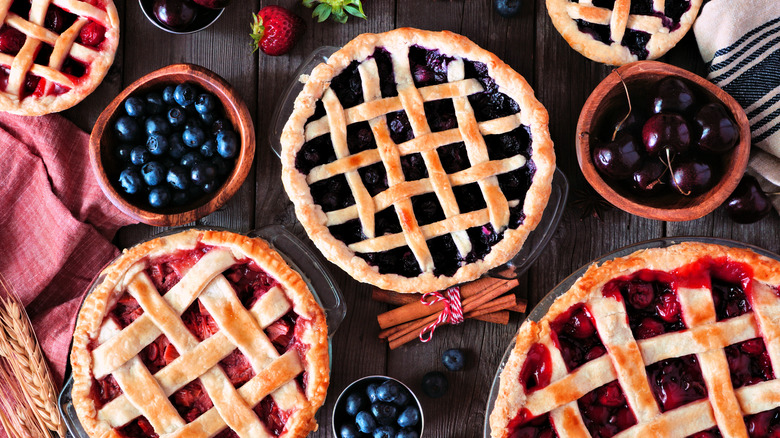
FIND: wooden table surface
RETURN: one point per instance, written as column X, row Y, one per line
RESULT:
column 530, row 44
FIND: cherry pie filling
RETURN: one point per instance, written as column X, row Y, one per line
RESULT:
column 635, row 40
column 250, row 282
column 428, row 67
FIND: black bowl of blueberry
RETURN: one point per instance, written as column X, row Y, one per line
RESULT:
column 174, row 146
column 183, row 16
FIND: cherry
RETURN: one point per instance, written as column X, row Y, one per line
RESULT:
column 649, row 328
column 648, row 179
column 672, row 94
column 11, row 40
column 668, row 307
column 611, row 395
column 667, row 132
column 748, row 203
column 581, row 326
column 175, row 14
column 640, row 295
column 719, row 133
column 693, row 177
column 213, row 4
column 595, row 352
column 620, row 158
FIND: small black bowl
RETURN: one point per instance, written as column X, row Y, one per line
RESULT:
column 206, row 17
column 340, row 415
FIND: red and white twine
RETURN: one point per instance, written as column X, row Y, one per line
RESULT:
column 452, row 312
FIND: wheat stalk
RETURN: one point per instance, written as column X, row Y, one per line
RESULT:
column 22, row 351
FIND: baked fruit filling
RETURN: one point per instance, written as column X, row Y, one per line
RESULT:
column 428, row 68
column 250, row 283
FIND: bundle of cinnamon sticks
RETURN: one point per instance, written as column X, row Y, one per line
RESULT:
column 487, row 299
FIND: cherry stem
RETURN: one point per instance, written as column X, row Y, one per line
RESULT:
column 669, row 164
column 628, row 98
column 658, row 181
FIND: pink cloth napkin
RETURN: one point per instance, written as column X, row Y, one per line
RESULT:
column 56, row 225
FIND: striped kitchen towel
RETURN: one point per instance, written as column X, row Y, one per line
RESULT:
column 740, row 41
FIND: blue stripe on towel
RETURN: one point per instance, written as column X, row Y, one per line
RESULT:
column 766, row 134
column 768, row 46
column 742, row 51
column 728, row 49
column 773, row 100
column 765, row 120
column 756, row 82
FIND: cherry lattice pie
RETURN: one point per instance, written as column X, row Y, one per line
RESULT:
column 681, row 341
column 54, row 53
column 200, row 334
column 417, row 160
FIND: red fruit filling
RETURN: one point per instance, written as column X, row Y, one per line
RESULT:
column 191, row 401
column 605, row 411
column 709, row 433
column 126, row 310
column 92, row 34
column 651, row 302
column 730, row 282
column 749, row 363
column 764, row 424
column 270, row 414
column 199, row 322
column 537, row 369
column 525, row 426
column 249, row 281
column 11, row 40
column 237, row 368
column 676, row 382
column 158, row 354
column 105, row 390
column 140, row 427
column 167, row 270
column 58, row 19
column 574, row 333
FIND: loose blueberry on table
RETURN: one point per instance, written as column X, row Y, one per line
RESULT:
column 382, row 408
column 454, row 359
column 168, row 156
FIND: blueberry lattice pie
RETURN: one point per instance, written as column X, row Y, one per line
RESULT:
column 200, row 334
column 417, row 160
column 621, row 31
column 681, row 341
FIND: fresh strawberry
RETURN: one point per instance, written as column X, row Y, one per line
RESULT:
column 275, row 30
column 11, row 40
column 92, row 34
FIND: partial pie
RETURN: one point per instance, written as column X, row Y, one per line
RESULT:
column 54, row 53
column 617, row 32
column 682, row 341
column 417, row 160
column 200, row 334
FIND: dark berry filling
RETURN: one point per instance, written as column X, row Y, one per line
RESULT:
column 315, row 152
column 374, row 178
column 599, row 32
column 453, row 157
column 575, row 335
column 636, row 41
column 605, row 411
column 440, row 115
column 413, row 167
column 509, row 144
column 651, row 303
column 537, row 369
column 516, row 216
column 384, row 64
column 749, row 363
column 348, row 86
column 515, row 184
column 319, row 112
column 469, row 197
column 21, row 8
column 764, row 424
column 709, row 433
column 641, row 7
column 524, row 426
column 429, row 67
column 427, row 209
column 74, row 68
column 57, row 19
column 332, row 193
column 482, row 240
column 675, row 10
column 730, row 300
column 386, row 222
column 350, row 231
column 191, row 401
column 399, row 261
column 446, row 259
column 360, row 138
column 608, row 4
column 676, row 382
column 400, row 128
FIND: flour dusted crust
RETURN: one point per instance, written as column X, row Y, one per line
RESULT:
column 293, row 294
column 97, row 60
column 723, row 402
column 564, row 12
column 532, row 114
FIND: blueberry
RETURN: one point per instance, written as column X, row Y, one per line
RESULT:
column 134, row 107
column 409, row 417
column 159, row 197
column 176, row 117
column 365, row 422
column 127, row 129
column 208, row 118
column 384, row 432
column 139, row 155
column 219, row 125
column 176, row 147
column 385, row 413
column 180, row 197
column 402, row 399
column 453, row 359
column 407, row 433
column 184, row 94
column 167, row 95
column 210, row 186
column 208, row 149
column 157, row 144
column 388, row 391
column 202, row 173
column 153, row 173
column 508, row 8
column 221, row 166
column 193, row 122
column 130, row 180
column 348, row 431
column 435, row 384
column 227, row 143
column 371, row 392
column 157, row 125
column 205, row 103
column 178, row 177
column 354, row 403
column 193, row 137
column 190, row 159
column 194, row 192
column 154, row 104
column 123, row 152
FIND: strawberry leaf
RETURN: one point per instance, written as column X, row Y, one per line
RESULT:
column 337, row 10
column 322, row 12
column 257, row 32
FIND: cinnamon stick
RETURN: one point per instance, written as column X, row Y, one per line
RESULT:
column 399, row 299
column 417, row 310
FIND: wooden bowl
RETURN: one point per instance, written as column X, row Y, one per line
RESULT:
column 105, row 163
column 609, row 97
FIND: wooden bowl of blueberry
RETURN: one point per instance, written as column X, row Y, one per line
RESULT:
column 661, row 142
column 174, row 146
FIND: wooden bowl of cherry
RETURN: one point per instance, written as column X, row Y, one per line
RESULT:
column 105, row 162
column 609, row 98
